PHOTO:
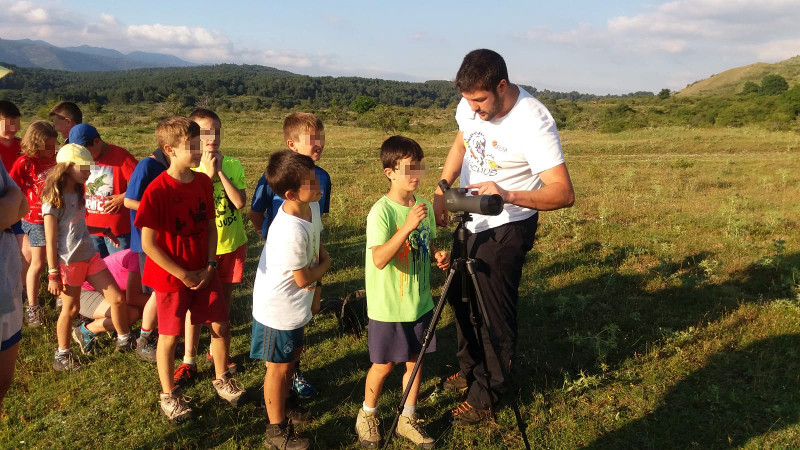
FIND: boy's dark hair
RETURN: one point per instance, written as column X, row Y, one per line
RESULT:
column 399, row 147
column 175, row 130
column 481, row 69
column 67, row 110
column 286, row 170
column 204, row 113
column 8, row 110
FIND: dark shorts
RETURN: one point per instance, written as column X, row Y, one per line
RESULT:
column 35, row 232
column 145, row 289
column 275, row 346
column 17, row 228
column 398, row 341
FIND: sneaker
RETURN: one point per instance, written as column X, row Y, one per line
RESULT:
column 411, row 429
column 455, row 382
column 283, row 436
column 64, row 362
column 301, row 386
column 296, row 412
column 126, row 345
column 146, row 347
column 33, row 315
column 84, row 338
column 184, row 373
column 469, row 415
column 228, row 389
column 175, row 406
column 231, row 366
column 367, row 429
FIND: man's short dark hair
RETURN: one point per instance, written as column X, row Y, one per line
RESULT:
column 67, row 110
column 286, row 170
column 399, row 147
column 204, row 113
column 481, row 69
column 9, row 110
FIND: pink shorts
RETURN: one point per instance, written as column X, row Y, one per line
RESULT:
column 207, row 305
column 230, row 266
column 74, row 274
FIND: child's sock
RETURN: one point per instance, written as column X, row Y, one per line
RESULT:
column 123, row 338
column 62, row 351
column 189, row 360
column 368, row 409
column 409, row 410
column 145, row 333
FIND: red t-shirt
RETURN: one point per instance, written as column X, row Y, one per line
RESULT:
column 9, row 153
column 109, row 177
column 179, row 213
column 29, row 174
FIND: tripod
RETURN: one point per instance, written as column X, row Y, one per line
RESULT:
column 463, row 266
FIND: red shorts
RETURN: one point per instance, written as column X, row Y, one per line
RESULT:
column 74, row 274
column 230, row 266
column 207, row 305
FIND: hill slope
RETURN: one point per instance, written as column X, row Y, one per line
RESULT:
column 731, row 81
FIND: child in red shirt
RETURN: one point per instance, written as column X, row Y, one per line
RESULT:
column 179, row 236
column 29, row 172
column 10, row 147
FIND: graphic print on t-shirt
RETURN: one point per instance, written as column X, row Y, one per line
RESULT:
column 99, row 187
column 412, row 255
column 482, row 156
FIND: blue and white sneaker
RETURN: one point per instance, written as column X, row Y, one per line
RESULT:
column 301, row 386
column 84, row 338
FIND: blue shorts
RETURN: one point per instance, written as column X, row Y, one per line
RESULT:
column 35, row 232
column 17, row 228
column 398, row 341
column 275, row 346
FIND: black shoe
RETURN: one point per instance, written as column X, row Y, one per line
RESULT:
column 283, row 436
column 455, row 382
column 467, row 414
column 297, row 413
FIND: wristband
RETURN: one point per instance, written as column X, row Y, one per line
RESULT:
column 212, row 264
column 52, row 270
column 53, row 276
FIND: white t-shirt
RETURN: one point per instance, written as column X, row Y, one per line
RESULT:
column 511, row 151
column 292, row 243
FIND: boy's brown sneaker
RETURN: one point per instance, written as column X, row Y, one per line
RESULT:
column 296, row 412
column 469, row 415
column 411, row 429
column 455, row 382
column 228, row 389
column 175, row 406
column 283, row 436
column 367, row 424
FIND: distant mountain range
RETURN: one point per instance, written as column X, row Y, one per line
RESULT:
column 43, row 55
column 732, row 81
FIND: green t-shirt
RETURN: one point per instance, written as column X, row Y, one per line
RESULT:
column 230, row 228
column 401, row 291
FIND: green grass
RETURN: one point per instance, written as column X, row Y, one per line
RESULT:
column 661, row 311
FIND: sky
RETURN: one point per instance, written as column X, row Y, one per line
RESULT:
column 594, row 47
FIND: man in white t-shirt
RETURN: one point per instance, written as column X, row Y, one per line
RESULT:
column 507, row 144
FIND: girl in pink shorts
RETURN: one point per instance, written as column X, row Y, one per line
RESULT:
column 71, row 256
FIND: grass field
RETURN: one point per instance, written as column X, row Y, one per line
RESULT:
column 661, row 311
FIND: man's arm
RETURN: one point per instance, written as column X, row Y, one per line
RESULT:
column 451, row 171
column 556, row 192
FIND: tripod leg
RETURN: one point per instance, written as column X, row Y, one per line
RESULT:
column 480, row 305
column 437, row 313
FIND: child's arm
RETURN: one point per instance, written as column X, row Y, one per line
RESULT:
column 237, row 196
column 131, row 203
column 442, row 258
column 51, row 237
column 13, row 206
column 257, row 219
column 208, row 271
column 307, row 275
column 382, row 254
column 190, row 278
column 106, row 231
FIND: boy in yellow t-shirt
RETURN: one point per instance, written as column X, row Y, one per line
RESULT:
column 227, row 175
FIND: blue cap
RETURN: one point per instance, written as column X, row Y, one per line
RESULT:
column 83, row 134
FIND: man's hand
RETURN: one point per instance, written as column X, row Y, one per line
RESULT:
column 439, row 210
column 489, row 188
column 417, row 214
column 113, row 203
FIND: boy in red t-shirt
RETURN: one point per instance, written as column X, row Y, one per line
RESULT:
column 105, row 188
column 179, row 237
column 10, row 147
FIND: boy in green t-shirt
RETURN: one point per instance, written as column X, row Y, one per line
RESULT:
column 400, row 232
column 227, row 174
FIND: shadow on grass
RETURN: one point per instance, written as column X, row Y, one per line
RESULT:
column 738, row 395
